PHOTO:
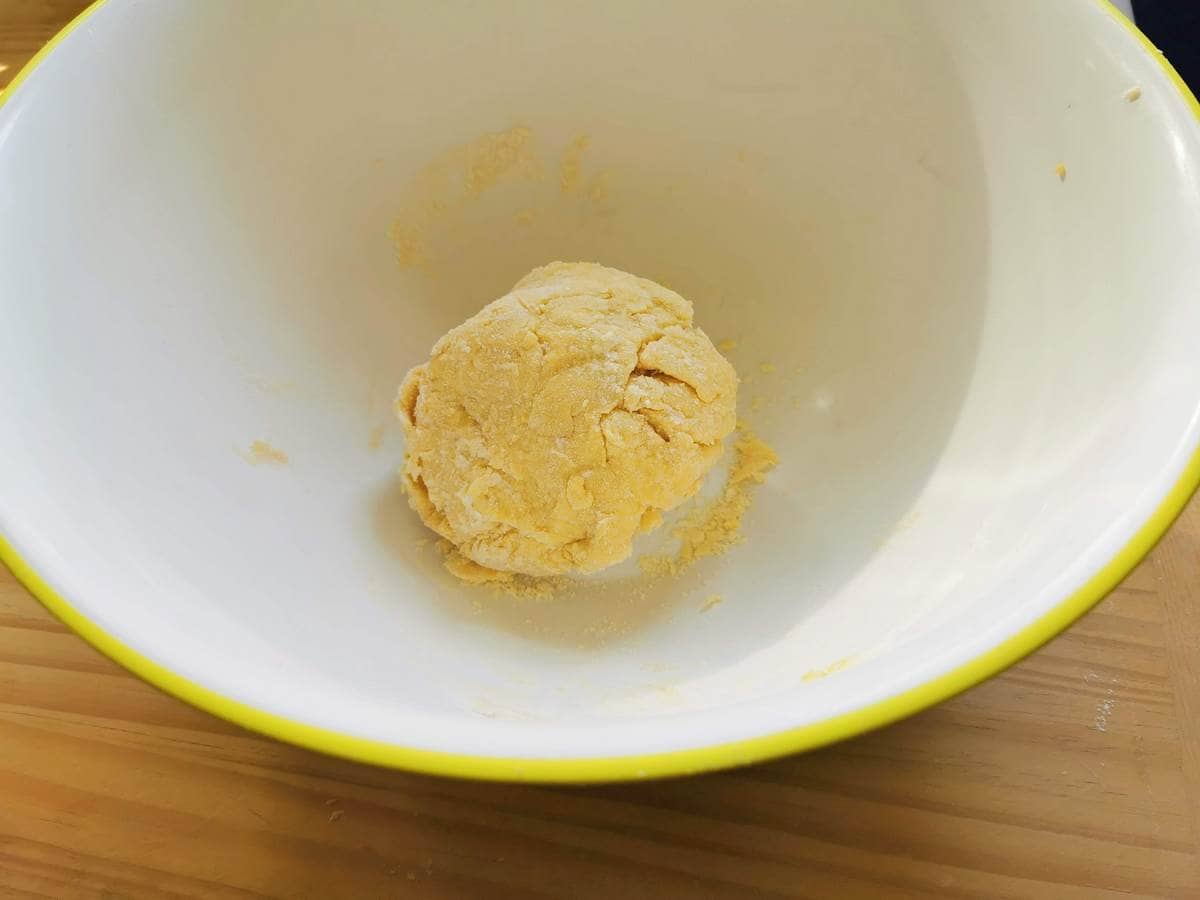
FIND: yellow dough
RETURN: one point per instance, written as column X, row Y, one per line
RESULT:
column 562, row 419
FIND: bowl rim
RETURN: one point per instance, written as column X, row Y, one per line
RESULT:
column 654, row 765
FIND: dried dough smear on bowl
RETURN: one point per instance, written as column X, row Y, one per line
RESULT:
column 980, row 377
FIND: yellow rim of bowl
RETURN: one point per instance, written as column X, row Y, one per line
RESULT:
column 620, row 768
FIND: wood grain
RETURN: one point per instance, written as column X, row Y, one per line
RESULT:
column 1074, row 775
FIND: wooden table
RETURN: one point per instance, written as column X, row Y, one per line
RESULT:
column 1074, row 775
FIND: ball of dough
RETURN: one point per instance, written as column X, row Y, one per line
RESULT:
column 555, row 424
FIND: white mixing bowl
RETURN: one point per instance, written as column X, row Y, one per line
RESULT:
column 986, row 376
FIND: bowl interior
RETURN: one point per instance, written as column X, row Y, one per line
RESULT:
column 980, row 378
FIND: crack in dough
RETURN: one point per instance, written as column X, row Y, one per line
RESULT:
column 561, row 420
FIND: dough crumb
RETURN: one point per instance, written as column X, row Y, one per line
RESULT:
column 710, row 602
column 826, row 671
column 1061, row 171
column 262, row 452
column 726, row 345
column 493, row 156
column 767, row 368
column 1133, row 95
column 524, row 217
column 714, row 528
column 553, row 426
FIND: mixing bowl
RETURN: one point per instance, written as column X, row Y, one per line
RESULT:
column 952, row 246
